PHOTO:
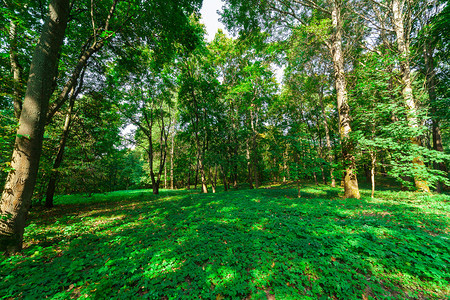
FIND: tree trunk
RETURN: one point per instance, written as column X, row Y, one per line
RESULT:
column 235, row 177
column 215, row 176
column 59, row 156
column 225, row 183
column 155, row 187
column 372, row 171
column 327, row 138
column 165, row 176
column 203, row 177
column 16, row 197
column 254, row 156
column 212, row 179
column 249, row 164
column 351, row 189
column 171, row 163
column 189, row 176
column 407, row 92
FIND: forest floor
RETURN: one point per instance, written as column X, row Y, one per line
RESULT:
column 241, row 244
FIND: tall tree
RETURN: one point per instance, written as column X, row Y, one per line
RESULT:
column 433, row 44
column 289, row 14
column 146, row 101
column 401, row 19
column 16, row 196
column 198, row 103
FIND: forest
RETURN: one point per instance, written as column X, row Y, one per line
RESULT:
column 310, row 141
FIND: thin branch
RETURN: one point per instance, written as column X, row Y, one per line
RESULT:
column 93, row 22
column 111, row 12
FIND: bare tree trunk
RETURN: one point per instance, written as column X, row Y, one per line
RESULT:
column 235, row 177
column 327, row 138
column 407, row 92
column 16, row 197
column 165, row 176
column 351, row 189
column 212, row 178
column 254, row 157
column 249, row 164
column 373, row 157
column 171, row 163
column 189, row 176
column 225, row 182
column 196, row 175
column 203, row 177
column 60, row 154
column 215, row 176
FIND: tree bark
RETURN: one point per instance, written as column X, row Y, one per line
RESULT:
column 373, row 157
column 254, row 156
column 249, row 164
column 59, row 156
column 196, row 175
column 351, row 189
column 16, row 196
column 189, row 176
column 171, row 163
column 212, row 178
column 225, row 182
column 165, row 176
column 407, row 91
column 327, row 138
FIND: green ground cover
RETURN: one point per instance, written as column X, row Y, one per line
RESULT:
column 245, row 244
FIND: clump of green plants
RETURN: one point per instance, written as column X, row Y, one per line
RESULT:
column 235, row 245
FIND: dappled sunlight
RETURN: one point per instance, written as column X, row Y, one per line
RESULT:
column 236, row 245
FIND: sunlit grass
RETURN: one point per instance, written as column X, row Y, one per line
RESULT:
column 235, row 245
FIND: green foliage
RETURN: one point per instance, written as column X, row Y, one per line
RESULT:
column 8, row 126
column 234, row 245
column 382, row 123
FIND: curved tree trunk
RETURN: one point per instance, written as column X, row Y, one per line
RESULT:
column 16, row 197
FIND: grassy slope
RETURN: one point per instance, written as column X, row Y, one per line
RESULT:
column 247, row 244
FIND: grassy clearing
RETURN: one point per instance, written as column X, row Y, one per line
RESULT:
column 247, row 244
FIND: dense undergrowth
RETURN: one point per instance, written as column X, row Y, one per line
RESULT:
column 244, row 244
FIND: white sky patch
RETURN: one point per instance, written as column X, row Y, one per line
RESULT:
column 210, row 17
column 127, row 135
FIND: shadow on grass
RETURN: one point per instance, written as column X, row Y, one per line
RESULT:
column 235, row 245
